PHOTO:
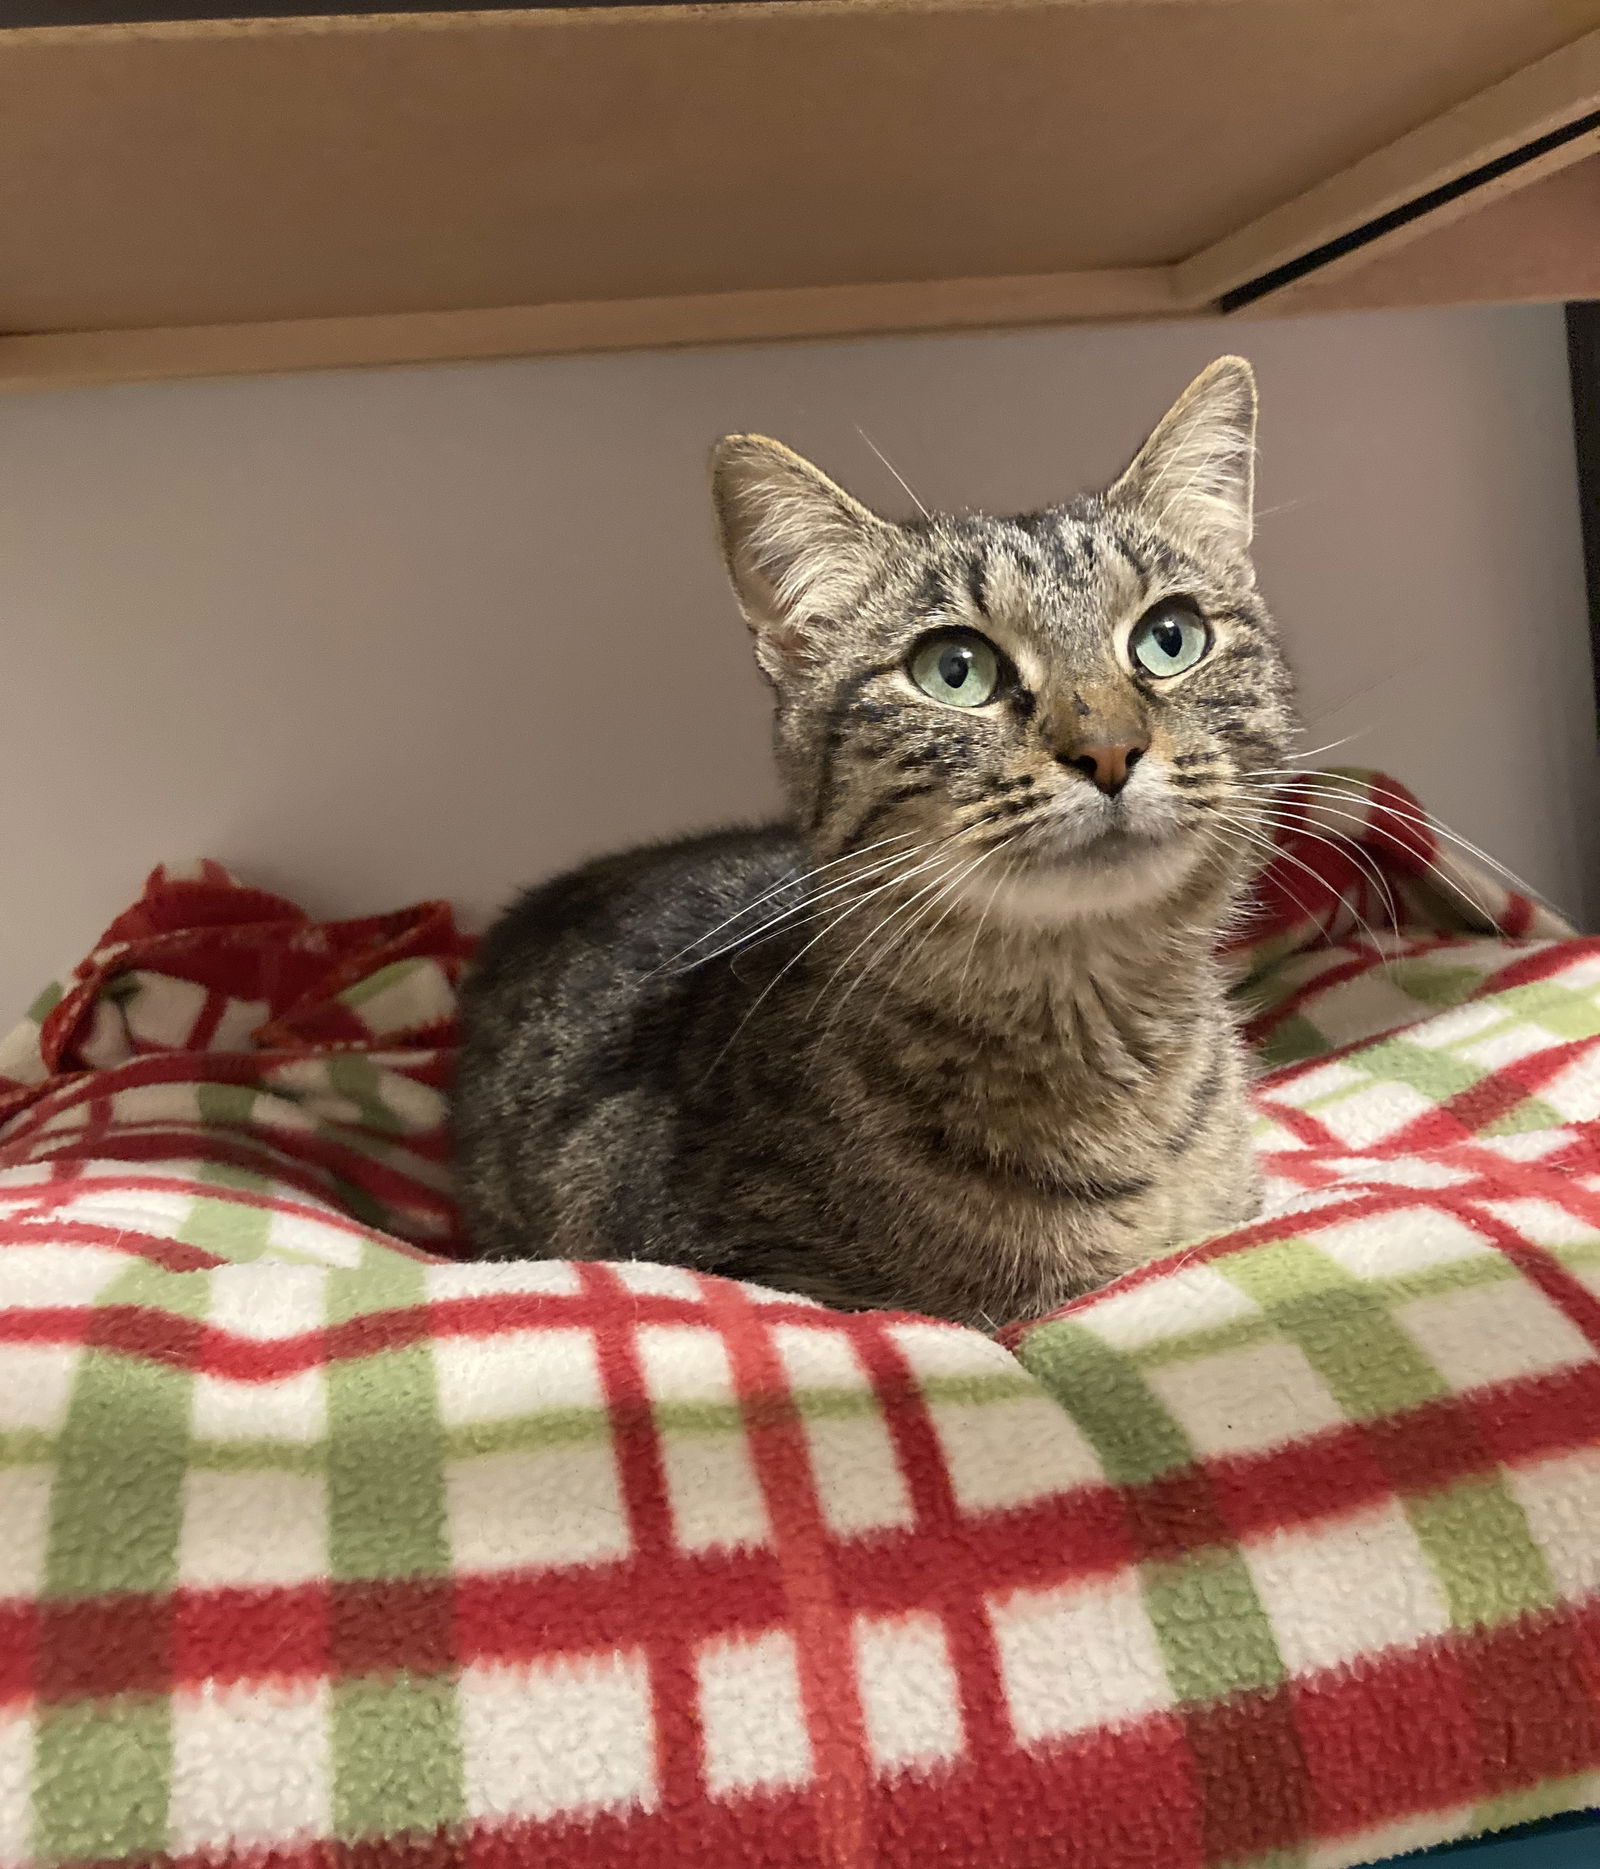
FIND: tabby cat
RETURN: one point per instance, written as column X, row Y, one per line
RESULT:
column 952, row 1037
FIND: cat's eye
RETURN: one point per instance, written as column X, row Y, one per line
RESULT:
column 957, row 667
column 1169, row 639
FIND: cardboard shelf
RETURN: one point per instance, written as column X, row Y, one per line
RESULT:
column 239, row 195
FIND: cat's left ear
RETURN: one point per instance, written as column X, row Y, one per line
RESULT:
column 1196, row 473
column 798, row 548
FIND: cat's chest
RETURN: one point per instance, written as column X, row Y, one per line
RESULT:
column 1036, row 1090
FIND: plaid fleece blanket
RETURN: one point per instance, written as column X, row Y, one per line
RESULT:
column 322, row 1546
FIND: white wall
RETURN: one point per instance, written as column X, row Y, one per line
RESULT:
column 369, row 637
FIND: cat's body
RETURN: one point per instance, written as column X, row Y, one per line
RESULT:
column 954, row 1039
column 1065, row 1116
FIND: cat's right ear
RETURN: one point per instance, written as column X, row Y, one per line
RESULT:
column 798, row 548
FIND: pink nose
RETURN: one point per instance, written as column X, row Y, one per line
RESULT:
column 1108, row 766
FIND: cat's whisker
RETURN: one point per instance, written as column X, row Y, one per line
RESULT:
column 800, row 953
column 790, row 882
column 806, row 909
column 1341, row 844
column 1368, row 864
column 1422, row 821
column 962, row 832
column 1276, row 852
column 1336, row 839
column 1370, row 873
column 869, row 936
column 905, row 484
column 994, row 850
column 798, row 914
column 1298, row 901
column 972, row 945
column 1477, row 909
column 1015, row 827
column 1312, row 790
column 1251, row 830
column 1332, row 746
column 1297, row 826
column 902, row 938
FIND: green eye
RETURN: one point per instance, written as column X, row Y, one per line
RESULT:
column 957, row 667
column 1170, row 639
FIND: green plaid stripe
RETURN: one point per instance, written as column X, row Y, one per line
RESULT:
column 355, row 1077
column 406, row 996
column 1134, row 1434
column 1245, row 1333
column 1477, row 1537
column 116, row 1506
column 383, row 981
column 386, row 1515
column 1447, row 1057
column 226, row 1105
column 1402, row 991
column 102, row 1768
column 1214, row 1632
column 46, row 1003
column 1555, row 1799
column 101, row 1775
column 1216, row 1635
column 1474, row 1533
column 236, row 1230
column 397, row 1756
column 1341, row 1326
column 396, row 1744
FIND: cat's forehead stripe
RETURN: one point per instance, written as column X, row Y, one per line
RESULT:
column 978, row 583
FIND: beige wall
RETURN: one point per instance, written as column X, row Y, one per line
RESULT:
column 373, row 637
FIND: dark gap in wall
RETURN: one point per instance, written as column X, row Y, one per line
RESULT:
column 1583, row 359
column 1409, row 211
column 16, row 14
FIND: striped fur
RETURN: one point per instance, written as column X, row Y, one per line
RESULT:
column 952, row 1038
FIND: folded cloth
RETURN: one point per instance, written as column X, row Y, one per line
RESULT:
column 218, row 1025
column 317, row 1547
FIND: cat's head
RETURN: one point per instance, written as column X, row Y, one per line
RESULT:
column 1072, row 702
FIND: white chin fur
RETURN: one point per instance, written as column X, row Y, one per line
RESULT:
column 1081, row 889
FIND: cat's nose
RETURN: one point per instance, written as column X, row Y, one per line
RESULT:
column 1107, row 765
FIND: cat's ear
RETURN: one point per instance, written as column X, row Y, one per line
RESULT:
column 797, row 547
column 1196, row 473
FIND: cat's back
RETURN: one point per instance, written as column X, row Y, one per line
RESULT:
column 636, row 917
column 584, row 1002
